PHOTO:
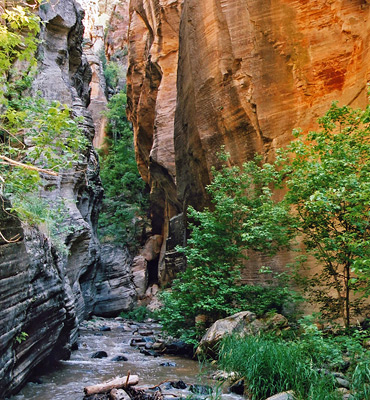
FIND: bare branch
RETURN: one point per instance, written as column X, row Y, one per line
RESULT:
column 26, row 166
column 14, row 239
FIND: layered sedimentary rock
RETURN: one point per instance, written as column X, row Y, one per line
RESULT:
column 45, row 292
column 32, row 306
column 248, row 72
column 115, row 288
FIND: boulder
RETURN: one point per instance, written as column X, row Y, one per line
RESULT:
column 100, row 354
column 282, row 396
column 243, row 323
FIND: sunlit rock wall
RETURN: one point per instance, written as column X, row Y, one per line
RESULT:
column 247, row 72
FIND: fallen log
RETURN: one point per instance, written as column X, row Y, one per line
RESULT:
column 116, row 383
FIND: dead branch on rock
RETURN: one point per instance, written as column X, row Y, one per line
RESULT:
column 117, row 383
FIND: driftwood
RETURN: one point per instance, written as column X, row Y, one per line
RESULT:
column 117, row 383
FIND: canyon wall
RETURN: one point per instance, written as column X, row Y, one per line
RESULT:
column 48, row 285
column 238, row 73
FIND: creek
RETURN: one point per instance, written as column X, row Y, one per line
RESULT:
column 68, row 378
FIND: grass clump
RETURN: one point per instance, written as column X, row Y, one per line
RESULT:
column 270, row 366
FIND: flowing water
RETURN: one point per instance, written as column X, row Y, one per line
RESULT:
column 67, row 380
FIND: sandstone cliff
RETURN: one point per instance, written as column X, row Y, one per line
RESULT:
column 237, row 73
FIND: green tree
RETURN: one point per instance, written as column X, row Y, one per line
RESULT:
column 329, row 191
column 243, row 216
column 123, row 214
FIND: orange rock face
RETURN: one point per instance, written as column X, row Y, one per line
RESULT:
column 151, row 89
column 247, row 72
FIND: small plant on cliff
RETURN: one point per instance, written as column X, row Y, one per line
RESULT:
column 244, row 216
column 328, row 181
column 123, row 214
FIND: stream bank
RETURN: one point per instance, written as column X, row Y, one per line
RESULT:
column 114, row 337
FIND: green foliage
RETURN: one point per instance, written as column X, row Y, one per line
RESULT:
column 113, row 70
column 332, row 351
column 328, row 187
column 270, row 366
column 361, row 381
column 244, row 216
column 21, row 337
column 268, row 363
column 123, row 212
column 37, row 137
column 17, row 41
column 139, row 314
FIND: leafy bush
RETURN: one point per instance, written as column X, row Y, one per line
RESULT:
column 244, row 216
column 138, row 314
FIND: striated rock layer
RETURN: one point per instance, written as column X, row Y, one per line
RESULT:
column 46, row 292
column 247, row 72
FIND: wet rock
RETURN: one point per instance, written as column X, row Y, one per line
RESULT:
column 119, row 394
column 145, row 333
column 166, row 386
column 179, row 348
column 105, row 329
column 168, row 364
column 120, row 358
column 98, row 334
column 282, row 396
column 149, row 353
column 237, row 387
column 37, row 381
column 148, row 345
column 139, row 342
column 158, row 346
column 202, row 390
column 223, row 376
column 342, row 383
column 179, row 385
column 99, row 354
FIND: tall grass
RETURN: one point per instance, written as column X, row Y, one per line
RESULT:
column 270, row 366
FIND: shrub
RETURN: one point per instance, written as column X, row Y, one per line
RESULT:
column 138, row 314
column 244, row 216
